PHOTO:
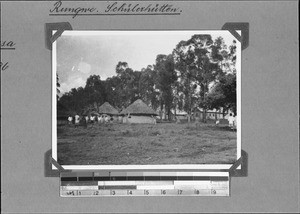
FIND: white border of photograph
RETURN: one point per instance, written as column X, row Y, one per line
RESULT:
column 146, row 167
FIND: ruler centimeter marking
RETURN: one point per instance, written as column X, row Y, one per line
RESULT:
column 85, row 184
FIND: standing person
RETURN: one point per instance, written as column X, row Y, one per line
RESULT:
column 106, row 119
column 84, row 121
column 235, row 122
column 153, row 120
column 70, row 119
column 102, row 119
column 231, row 120
column 87, row 118
column 77, row 120
column 92, row 118
column 99, row 119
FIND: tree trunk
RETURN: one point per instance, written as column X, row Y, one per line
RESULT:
column 166, row 111
column 161, row 110
column 175, row 106
column 169, row 114
column 204, row 116
column 189, row 99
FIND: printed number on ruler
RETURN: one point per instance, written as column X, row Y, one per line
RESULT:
column 70, row 193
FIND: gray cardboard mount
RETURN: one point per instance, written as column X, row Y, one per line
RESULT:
column 270, row 107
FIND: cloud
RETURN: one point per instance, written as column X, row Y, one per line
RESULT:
column 77, row 78
column 84, row 67
column 72, row 82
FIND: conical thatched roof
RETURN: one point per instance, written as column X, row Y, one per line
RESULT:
column 138, row 108
column 106, row 108
column 87, row 111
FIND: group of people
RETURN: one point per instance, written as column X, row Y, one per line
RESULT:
column 77, row 120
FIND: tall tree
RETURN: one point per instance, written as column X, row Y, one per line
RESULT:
column 113, row 91
column 148, row 87
column 129, row 86
column 95, row 90
column 223, row 93
column 166, row 78
column 74, row 100
column 198, row 60
column 186, row 87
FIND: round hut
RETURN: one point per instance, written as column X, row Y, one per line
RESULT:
column 138, row 112
column 109, row 110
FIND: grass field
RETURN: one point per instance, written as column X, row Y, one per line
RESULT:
column 145, row 144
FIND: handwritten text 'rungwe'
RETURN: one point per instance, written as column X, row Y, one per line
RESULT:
column 115, row 8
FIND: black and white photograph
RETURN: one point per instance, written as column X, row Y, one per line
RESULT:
column 142, row 98
column 149, row 106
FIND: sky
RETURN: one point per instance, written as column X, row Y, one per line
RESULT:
column 80, row 54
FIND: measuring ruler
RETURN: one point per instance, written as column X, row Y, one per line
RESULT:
column 98, row 184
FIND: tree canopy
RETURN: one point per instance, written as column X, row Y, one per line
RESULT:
column 200, row 72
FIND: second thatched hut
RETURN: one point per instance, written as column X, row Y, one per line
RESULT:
column 109, row 110
column 138, row 112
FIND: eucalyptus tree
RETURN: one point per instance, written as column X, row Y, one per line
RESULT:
column 223, row 93
column 149, row 91
column 166, row 79
column 198, row 61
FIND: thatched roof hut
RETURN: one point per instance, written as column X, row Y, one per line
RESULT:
column 106, row 108
column 138, row 108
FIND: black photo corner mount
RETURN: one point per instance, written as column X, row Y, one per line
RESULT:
column 60, row 27
column 243, row 162
column 49, row 161
column 49, row 172
column 232, row 27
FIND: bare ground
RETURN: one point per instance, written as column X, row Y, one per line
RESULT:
column 143, row 144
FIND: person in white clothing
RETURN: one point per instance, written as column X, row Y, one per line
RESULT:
column 231, row 120
column 235, row 122
column 77, row 120
column 102, row 119
column 153, row 120
column 92, row 118
column 70, row 119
